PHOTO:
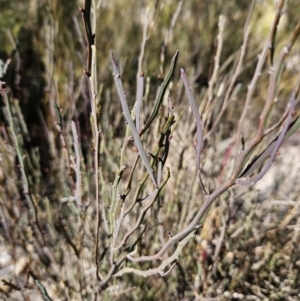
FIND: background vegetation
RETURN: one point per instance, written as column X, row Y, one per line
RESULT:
column 247, row 245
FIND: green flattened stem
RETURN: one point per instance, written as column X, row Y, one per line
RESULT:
column 270, row 152
column 163, row 137
column 161, row 94
column 260, row 159
column 137, row 139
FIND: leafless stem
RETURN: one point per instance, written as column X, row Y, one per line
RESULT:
column 149, row 203
column 191, row 227
column 163, row 265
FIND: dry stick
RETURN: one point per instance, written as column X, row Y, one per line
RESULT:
column 146, row 207
column 196, row 114
column 129, row 120
column 191, row 227
column 163, row 265
column 149, row 198
column 120, row 260
column 237, row 72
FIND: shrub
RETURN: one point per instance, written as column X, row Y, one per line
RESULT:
column 108, row 185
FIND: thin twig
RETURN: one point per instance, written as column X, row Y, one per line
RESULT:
column 163, row 265
column 147, row 206
column 188, row 229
